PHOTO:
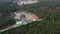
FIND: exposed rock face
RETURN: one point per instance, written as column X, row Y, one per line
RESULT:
column 24, row 2
column 28, row 15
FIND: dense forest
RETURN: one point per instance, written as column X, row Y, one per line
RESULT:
column 50, row 14
column 6, row 9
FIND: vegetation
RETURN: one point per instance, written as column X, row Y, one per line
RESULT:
column 6, row 9
column 50, row 24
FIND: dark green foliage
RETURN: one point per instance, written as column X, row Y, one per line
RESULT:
column 50, row 24
column 6, row 9
column 40, row 27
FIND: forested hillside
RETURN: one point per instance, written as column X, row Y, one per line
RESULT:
column 6, row 8
column 50, row 14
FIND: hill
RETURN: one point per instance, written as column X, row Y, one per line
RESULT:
column 50, row 25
